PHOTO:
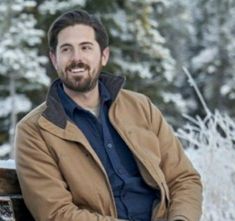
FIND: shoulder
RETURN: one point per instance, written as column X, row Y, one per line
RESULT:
column 133, row 96
column 136, row 99
column 33, row 116
column 137, row 104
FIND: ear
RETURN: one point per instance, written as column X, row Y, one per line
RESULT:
column 53, row 59
column 105, row 56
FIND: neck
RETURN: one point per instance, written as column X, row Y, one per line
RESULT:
column 88, row 99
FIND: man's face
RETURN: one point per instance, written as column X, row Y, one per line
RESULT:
column 78, row 58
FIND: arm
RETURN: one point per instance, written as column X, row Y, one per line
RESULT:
column 182, row 179
column 45, row 192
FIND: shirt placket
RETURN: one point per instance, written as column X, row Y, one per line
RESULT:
column 113, row 156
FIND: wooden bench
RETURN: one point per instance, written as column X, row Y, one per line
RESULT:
column 12, row 207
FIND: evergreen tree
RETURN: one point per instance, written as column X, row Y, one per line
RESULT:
column 21, row 72
column 213, row 61
column 200, row 35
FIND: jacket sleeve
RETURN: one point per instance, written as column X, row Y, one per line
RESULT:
column 44, row 190
column 183, row 181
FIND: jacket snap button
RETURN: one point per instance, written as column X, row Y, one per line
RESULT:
column 109, row 145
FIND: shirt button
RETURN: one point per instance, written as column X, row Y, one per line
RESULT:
column 120, row 171
column 109, row 145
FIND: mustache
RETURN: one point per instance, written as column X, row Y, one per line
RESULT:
column 77, row 64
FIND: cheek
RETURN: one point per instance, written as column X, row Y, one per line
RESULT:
column 62, row 63
column 97, row 61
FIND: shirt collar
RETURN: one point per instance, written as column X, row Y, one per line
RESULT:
column 70, row 106
column 104, row 93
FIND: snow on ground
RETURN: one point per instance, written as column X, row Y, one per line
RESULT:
column 211, row 147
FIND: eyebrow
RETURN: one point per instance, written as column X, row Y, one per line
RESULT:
column 65, row 45
column 86, row 43
column 83, row 43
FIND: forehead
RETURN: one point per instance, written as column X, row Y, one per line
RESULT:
column 76, row 34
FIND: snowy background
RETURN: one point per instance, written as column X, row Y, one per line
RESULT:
column 151, row 41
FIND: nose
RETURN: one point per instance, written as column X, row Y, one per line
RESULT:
column 77, row 55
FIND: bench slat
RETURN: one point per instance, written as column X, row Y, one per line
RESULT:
column 20, row 211
column 10, row 196
column 9, row 182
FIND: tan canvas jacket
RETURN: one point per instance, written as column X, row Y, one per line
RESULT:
column 62, row 178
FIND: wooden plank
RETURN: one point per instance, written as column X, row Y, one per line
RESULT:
column 20, row 211
column 9, row 183
column 11, row 201
column 13, row 208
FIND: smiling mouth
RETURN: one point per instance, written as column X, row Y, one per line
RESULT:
column 77, row 70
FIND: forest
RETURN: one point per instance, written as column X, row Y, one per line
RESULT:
column 180, row 53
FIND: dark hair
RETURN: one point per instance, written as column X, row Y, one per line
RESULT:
column 74, row 17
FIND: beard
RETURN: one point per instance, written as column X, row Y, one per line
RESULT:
column 80, row 83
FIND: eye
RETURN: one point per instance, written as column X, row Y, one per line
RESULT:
column 86, row 47
column 65, row 49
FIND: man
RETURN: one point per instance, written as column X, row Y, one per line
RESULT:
column 94, row 151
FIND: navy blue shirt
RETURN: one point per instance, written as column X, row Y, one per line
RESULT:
column 133, row 198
